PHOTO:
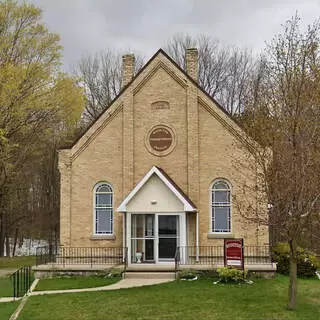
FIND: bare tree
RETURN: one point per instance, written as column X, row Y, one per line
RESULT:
column 285, row 118
column 100, row 76
column 224, row 72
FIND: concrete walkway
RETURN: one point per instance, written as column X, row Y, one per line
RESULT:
column 122, row 284
column 9, row 299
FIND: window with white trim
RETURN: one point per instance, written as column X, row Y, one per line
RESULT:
column 103, row 209
column 221, row 206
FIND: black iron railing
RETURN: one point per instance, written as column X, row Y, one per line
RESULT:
column 214, row 255
column 207, row 255
column 83, row 256
column 257, row 255
column 21, row 281
column 177, row 259
column 125, row 260
column 45, row 255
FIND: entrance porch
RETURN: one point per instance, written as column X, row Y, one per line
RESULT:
column 155, row 223
column 154, row 238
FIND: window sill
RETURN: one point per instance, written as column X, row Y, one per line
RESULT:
column 222, row 235
column 103, row 237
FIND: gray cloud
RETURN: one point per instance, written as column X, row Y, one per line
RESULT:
column 89, row 26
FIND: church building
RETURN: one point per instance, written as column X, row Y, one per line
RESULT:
column 163, row 167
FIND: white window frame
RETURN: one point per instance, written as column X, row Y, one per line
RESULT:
column 212, row 230
column 95, row 207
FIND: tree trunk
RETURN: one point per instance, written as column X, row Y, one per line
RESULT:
column 7, row 245
column 1, row 235
column 15, row 242
column 292, row 301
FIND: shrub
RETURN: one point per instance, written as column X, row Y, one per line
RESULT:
column 111, row 273
column 230, row 274
column 307, row 262
column 188, row 274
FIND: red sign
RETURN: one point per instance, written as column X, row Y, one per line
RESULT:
column 233, row 253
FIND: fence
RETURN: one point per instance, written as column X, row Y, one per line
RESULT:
column 82, row 256
column 45, row 255
column 214, row 255
column 21, row 281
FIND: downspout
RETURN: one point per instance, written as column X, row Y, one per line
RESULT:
column 197, row 236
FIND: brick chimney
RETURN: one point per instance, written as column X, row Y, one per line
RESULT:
column 128, row 64
column 192, row 63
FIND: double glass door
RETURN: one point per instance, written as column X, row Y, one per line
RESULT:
column 154, row 237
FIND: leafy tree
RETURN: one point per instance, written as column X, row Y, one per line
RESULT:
column 34, row 95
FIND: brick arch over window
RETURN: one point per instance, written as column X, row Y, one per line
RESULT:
column 221, row 197
column 103, row 208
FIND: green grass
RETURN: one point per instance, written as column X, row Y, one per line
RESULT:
column 74, row 283
column 6, row 289
column 16, row 262
column 7, row 309
column 266, row 299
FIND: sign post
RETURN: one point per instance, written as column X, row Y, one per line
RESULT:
column 233, row 253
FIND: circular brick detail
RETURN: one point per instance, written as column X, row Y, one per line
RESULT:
column 160, row 140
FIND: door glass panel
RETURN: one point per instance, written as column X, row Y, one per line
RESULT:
column 167, row 248
column 142, row 238
column 149, row 250
column 149, row 230
column 167, row 225
column 167, row 236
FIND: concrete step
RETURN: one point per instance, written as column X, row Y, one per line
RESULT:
column 149, row 275
column 144, row 267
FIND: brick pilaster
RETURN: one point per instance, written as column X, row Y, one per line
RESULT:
column 65, row 196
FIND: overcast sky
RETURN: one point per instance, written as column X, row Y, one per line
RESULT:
column 143, row 26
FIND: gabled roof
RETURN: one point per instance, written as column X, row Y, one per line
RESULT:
column 189, row 206
column 160, row 51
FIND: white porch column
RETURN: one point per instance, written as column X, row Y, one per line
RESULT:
column 124, row 239
column 183, row 237
column 197, row 236
column 128, row 235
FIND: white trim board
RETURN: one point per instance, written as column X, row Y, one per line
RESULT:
column 154, row 170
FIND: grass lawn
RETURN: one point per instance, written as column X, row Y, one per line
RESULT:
column 7, row 309
column 74, row 283
column 6, row 289
column 16, row 262
column 266, row 299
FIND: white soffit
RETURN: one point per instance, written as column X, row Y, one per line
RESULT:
column 188, row 207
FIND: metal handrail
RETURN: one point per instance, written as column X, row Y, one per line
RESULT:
column 125, row 261
column 214, row 255
column 82, row 255
column 21, row 281
column 176, row 259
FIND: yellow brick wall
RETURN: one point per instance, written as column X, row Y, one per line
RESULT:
column 100, row 161
column 161, row 87
column 114, row 150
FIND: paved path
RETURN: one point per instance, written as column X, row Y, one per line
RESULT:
column 122, row 284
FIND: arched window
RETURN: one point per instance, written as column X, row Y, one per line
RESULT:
column 221, row 206
column 103, row 209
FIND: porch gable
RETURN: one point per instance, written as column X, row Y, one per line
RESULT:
column 153, row 188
